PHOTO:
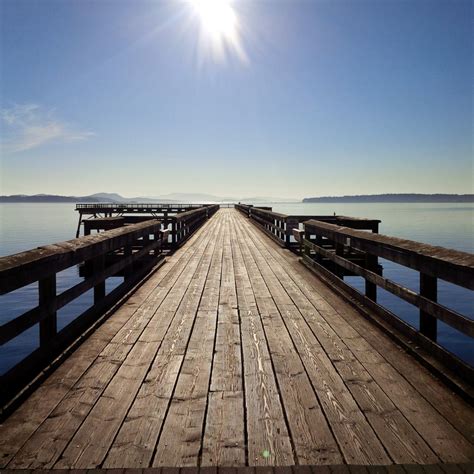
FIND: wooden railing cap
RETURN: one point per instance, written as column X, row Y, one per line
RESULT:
column 23, row 268
column 363, row 219
column 411, row 248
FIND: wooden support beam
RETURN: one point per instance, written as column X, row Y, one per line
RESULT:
column 98, row 265
column 128, row 272
column 48, row 326
column 371, row 263
column 428, row 289
column 339, row 271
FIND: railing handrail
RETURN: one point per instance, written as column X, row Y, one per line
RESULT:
column 27, row 267
column 450, row 265
column 127, row 251
column 272, row 214
column 109, row 205
column 280, row 226
column 187, row 214
column 333, row 251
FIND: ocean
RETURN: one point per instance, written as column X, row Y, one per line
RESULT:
column 26, row 226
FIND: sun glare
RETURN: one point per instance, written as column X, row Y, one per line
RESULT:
column 219, row 27
column 217, row 17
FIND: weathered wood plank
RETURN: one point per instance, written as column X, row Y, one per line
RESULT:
column 230, row 355
column 312, row 439
column 45, row 446
column 268, row 438
column 224, row 435
column 181, row 438
column 137, row 437
column 90, row 445
column 357, row 440
column 399, row 438
column 443, row 445
column 16, row 429
column 183, row 427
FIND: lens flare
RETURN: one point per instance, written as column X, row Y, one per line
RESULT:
column 219, row 29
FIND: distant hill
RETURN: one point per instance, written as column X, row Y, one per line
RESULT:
column 117, row 198
column 199, row 197
column 191, row 197
column 395, row 198
column 52, row 198
column 98, row 197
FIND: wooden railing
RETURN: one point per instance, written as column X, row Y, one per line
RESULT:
column 183, row 225
column 330, row 250
column 131, row 206
column 280, row 227
column 132, row 251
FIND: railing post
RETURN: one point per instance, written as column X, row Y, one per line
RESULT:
column 98, row 265
column 128, row 270
column 428, row 289
column 290, row 225
column 339, row 271
column 319, row 243
column 371, row 263
column 158, row 250
column 145, row 243
column 173, row 233
column 48, row 326
column 306, row 237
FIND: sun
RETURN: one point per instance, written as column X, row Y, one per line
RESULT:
column 219, row 29
column 217, row 17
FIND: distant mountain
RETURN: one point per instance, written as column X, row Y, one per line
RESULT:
column 199, row 197
column 98, row 197
column 395, row 198
column 117, row 198
column 113, row 197
column 262, row 199
column 52, row 198
column 191, row 197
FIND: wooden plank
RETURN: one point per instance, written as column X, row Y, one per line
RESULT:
column 398, row 436
column 16, row 429
column 43, row 448
column 183, row 426
column 224, row 435
column 311, row 437
column 180, row 440
column 135, row 441
column 47, row 444
column 357, row 440
column 165, row 356
column 427, row 424
column 268, row 439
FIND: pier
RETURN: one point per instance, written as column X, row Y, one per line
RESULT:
column 233, row 341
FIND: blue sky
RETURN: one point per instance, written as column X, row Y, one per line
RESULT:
column 329, row 97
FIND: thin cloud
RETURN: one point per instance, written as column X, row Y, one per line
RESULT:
column 28, row 126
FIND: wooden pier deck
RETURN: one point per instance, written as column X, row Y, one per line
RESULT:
column 234, row 354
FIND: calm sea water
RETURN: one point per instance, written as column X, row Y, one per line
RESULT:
column 26, row 226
